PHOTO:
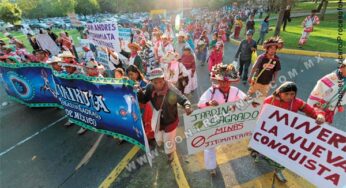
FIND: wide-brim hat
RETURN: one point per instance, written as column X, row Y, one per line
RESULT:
column 273, row 41
column 91, row 65
column 156, row 73
column 66, row 54
column 134, row 46
column 169, row 57
column 54, row 59
column 225, row 72
column 182, row 34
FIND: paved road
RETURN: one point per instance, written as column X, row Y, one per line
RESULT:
column 38, row 151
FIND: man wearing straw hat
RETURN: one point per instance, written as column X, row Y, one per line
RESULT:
column 182, row 43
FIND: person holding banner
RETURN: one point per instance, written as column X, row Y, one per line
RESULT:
column 91, row 69
column 328, row 94
column 222, row 92
column 164, row 98
column 285, row 96
column 135, row 75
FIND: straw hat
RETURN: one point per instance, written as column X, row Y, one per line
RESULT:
column 66, row 54
column 182, row 34
column 91, row 64
column 169, row 57
column 134, row 46
column 54, row 59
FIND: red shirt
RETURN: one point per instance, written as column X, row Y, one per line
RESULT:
column 188, row 61
column 294, row 106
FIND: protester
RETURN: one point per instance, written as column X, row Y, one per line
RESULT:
column 164, row 97
column 308, row 27
column 148, row 56
column 285, row 96
column 216, row 56
column 12, row 39
column 189, row 61
column 119, row 73
column 65, row 43
column 135, row 75
column 181, row 44
column 222, row 92
column 202, row 48
column 175, row 72
column 286, row 18
column 238, row 24
column 266, row 68
column 42, row 56
column 213, row 40
column 250, row 24
column 328, row 94
column 245, row 50
column 164, row 47
column 264, row 29
column 55, row 63
column 133, row 57
column 88, row 54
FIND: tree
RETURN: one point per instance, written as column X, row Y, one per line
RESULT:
column 280, row 17
column 10, row 12
column 109, row 6
column 324, row 9
column 87, row 7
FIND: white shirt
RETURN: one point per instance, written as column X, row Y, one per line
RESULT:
column 234, row 94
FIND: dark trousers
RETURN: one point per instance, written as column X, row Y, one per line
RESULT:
column 284, row 24
column 244, row 65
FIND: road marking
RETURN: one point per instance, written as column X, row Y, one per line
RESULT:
column 90, row 153
column 119, row 168
column 179, row 173
column 266, row 180
column 32, row 136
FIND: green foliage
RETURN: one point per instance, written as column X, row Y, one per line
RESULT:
column 46, row 8
column 10, row 12
column 86, row 7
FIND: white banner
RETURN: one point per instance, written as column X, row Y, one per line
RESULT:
column 317, row 153
column 104, row 35
column 47, row 43
column 213, row 126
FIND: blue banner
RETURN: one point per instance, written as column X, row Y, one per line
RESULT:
column 105, row 105
column 30, row 84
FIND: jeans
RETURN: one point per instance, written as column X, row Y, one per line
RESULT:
column 261, row 38
column 244, row 64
